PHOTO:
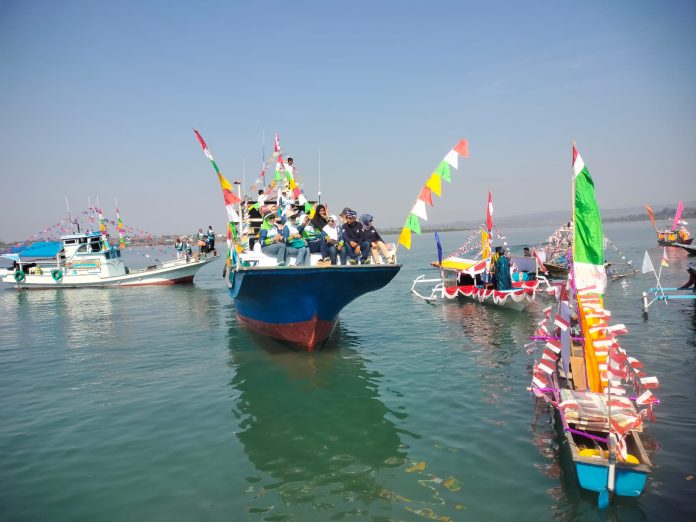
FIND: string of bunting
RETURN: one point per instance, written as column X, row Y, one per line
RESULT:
column 432, row 186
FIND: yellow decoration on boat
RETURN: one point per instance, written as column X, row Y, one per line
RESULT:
column 416, row 466
column 405, row 238
column 592, row 452
column 485, row 245
column 435, row 184
column 458, row 264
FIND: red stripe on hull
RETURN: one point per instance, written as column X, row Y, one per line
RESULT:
column 306, row 334
column 181, row 280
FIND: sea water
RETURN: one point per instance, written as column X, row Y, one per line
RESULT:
column 152, row 403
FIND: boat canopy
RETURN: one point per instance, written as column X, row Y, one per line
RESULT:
column 41, row 249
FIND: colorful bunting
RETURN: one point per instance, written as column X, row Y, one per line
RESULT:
column 433, row 185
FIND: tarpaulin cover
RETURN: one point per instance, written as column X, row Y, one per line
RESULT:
column 41, row 249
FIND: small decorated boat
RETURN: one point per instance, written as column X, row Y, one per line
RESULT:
column 296, row 304
column 677, row 234
column 492, row 278
column 585, row 374
column 87, row 260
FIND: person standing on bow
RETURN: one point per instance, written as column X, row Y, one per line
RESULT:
column 211, row 238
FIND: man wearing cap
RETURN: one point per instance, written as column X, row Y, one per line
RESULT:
column 353, row 237
column 272, row 240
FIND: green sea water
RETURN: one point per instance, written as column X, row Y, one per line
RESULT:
column 154, row 404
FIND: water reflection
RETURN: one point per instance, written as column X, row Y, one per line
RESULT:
column 314, row 428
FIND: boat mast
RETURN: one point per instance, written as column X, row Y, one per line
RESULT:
column 319, row 191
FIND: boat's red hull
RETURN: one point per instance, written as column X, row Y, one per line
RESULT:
column 306, row 334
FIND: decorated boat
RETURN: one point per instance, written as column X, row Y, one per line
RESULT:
column 675, row 235
column 495, row 278
column 296, row 304
column 599, row 393
column 88, row 260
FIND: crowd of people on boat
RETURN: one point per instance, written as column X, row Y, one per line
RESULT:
column 342, row 239
column 205, row 241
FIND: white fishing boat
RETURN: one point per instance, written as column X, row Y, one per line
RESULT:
column 87, row 260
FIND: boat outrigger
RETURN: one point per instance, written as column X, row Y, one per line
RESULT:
column 583, row 368
column 87, row 260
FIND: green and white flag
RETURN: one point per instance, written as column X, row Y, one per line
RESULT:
column 588, row 251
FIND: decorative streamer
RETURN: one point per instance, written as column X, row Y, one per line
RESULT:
column 432, row 185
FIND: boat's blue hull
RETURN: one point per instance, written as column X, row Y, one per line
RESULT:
column 627, row 482
column 301, row 305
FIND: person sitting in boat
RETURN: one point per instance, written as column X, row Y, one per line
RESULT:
column 333, row 237
column 179, row 247
column 296, row 244
column 503, row 280
column 692, row 278
column 211, row 238
column 372, row 239
column 271, row 238
column 311, row 231
column 527, row 252
column 356, row 248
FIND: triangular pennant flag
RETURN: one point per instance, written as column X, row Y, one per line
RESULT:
column 443, row 170
column 435, row 184
column 413, row 224
column 452, row 158
column 419, row 210
column 405, row 238
column 462, row 148
column 426, row 196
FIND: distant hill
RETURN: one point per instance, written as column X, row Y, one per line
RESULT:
column 558, row 217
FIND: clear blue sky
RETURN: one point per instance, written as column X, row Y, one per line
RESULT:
column 99, row 98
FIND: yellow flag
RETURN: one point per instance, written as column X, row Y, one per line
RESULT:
column 405, row 238
column 435, row 184
column 485, row 245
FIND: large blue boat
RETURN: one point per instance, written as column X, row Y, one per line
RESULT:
column 301, row 305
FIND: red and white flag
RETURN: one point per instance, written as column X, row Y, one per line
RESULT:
column 561, row 323
column 649, row 383
column 276, row 143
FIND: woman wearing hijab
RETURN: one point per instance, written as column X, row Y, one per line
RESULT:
column 333, row 238
column 312, row 233
column 372, row 237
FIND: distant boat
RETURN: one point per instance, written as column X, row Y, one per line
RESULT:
column 583, row 371
column 677, row 234
column 296, row 304
column 85, row 260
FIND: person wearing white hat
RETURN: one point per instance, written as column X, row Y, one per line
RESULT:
column 333, row 237
column 296, row 244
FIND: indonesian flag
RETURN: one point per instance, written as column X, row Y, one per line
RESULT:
column 276, row 143
column 561, row 323
column 664, row 261
column 539, row 262
column 649, row 383
column 647, row 398
column 489, row 213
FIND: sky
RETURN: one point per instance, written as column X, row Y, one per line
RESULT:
column 98, row 99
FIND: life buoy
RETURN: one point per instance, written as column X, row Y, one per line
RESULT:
column 56, row 274
column 19, row 276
